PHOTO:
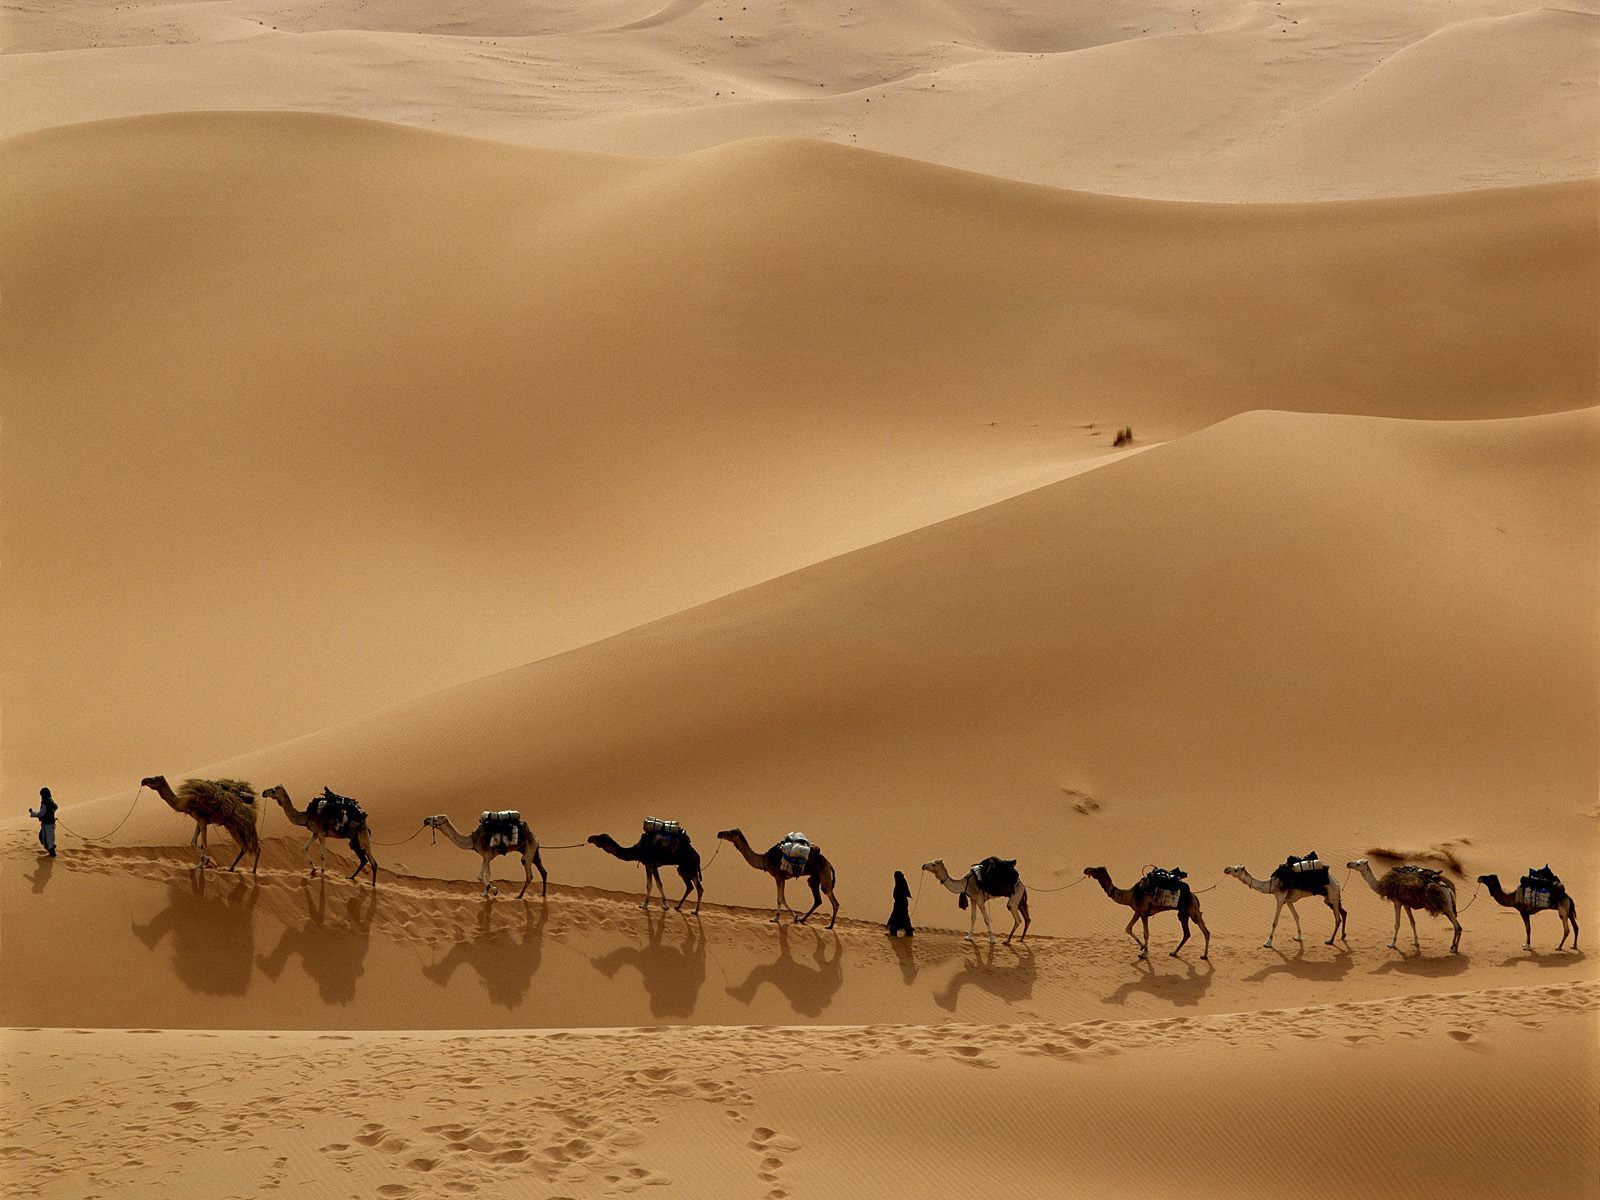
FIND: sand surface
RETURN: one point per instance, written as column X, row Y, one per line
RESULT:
column 706, row 410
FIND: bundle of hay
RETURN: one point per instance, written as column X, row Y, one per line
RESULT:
column 1418, row 887
column 230, row 803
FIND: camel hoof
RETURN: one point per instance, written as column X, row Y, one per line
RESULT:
column 1299, row 939
column 966, row 937
column 1267, row 945
column 1205, row 958
column 645, row 906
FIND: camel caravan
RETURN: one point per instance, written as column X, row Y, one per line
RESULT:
column 233, row 805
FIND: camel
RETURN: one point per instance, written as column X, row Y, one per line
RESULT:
column 818, row 872
column 1564, row 908
column 1287, row 894
column 315, row 821
column 1146, row 902
column 975, row 898
column 481, row 841
column 655, row 851
column 226, row 802
column 1411, row 888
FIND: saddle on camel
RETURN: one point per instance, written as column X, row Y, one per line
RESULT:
column 667, row 834
column 794, row 853
column 995, row 877
column 1165, row 887
column 1308, row 874
column 340, row 815
column 503, row 827
column 1540, row 888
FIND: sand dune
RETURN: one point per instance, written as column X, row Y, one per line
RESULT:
column 493, row 404
column 1235, row 101
column 1343, row 632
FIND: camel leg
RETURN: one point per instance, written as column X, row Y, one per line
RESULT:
column 816, row 900
column 527, row 872
column 983, row 906
column 1455, row 942
column 1393, row 941
column 485, row 875
column 777, row 913
column 1183, row 922
column 199, row 839
column 1205, row 950
column 691, row 883
column 1021, row 907
column 237, row 857
column 649, row 876
column 311, row 866
column 1273, row 932
column 1129, row 931
column 1295, row 913
column 544, row 876
column 1412, row 917
column 1527, row 932
column 322, row 852
column 1144, row 946
column 1338, row 917
column 833, row 900
column 972, row 918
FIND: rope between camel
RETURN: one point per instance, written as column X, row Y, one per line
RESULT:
column 402, row 841
column 85, row 837
column 1063, row 887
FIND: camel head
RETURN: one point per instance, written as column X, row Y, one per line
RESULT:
column 1097, row 873
column 730, row 835
column 1355, row 864
column 435, row 821
column 276, row 793
column 1491, row 880
column 600, row 839
column 155, row 782
column 936, row 866
column 1236, row 872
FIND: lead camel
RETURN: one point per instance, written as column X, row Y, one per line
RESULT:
column 229, row 803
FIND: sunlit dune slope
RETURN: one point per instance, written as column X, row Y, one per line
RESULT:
column 360, row 412
column 1310, row 631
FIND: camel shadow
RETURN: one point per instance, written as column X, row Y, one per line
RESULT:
column 213, row 937
column 331, row 954
column 1298, row 966
column 505, row 958
column 809, row 989
column 1181, row 991
column 1010, row 981
column 1422, row 965
column 1544, row 958
column 42, row 870
column 672, row 975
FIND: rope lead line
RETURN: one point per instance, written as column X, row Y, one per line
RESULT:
column 103, row 836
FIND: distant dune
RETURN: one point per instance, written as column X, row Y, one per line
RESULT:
column 1244, row 100
column 290, row 391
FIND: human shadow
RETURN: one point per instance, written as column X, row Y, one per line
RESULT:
column 1298, row 966
column 331, row 954
column 672, row 975
column 906, row 955
column 1422, row 964
column 1182, row 991
column 506, row 957
column 808, row 988
column 213, row 936
column 1010, row 978
column 43, row 868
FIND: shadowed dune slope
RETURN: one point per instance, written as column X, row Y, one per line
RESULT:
column 1336, row 631
column 286, row 392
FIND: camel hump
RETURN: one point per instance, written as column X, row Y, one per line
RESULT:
column 1307, row 874
column 338, row 812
